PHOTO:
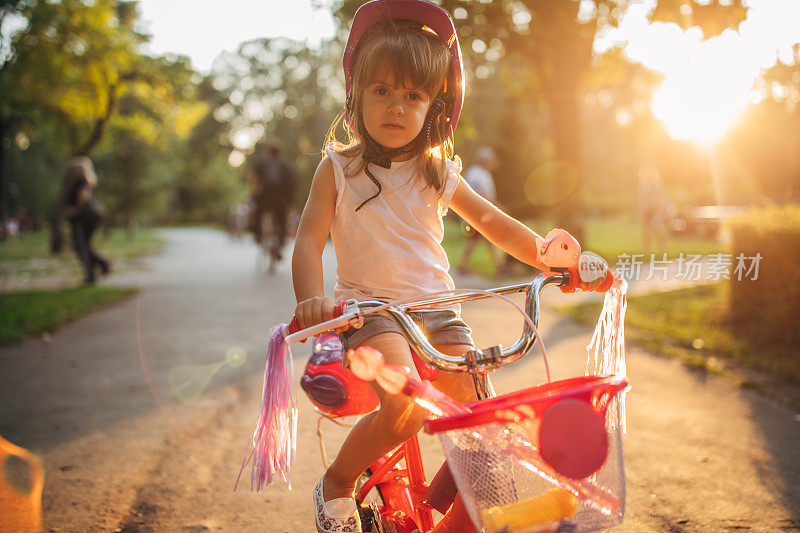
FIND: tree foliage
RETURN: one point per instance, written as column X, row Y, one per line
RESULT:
column 712, row 17
column 68, row 65
column 86, row 55
column 279, row 89
column 781, row 82
column 75, row 82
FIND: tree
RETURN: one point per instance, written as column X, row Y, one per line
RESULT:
column 763, row 146
column 711, row 16
column 9, row 14
column 74, row 82
column 205, row 184
column 143, row 151
column 71, row 61
column 781, row 82
column 279, row 89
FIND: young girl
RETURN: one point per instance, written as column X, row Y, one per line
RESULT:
column 382, row 197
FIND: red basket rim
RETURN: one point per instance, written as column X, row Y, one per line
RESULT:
column 539, row 397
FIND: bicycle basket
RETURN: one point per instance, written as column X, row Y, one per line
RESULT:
column 547, row 458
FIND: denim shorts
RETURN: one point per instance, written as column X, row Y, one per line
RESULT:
column 439, row 327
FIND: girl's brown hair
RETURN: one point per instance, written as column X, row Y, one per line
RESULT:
column 415, row 56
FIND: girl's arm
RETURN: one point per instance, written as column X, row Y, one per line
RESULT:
column 505, row 232
column 315, row 223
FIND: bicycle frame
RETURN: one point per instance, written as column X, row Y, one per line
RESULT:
column 404, row 490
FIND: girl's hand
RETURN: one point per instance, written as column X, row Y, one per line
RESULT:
column 313, row 311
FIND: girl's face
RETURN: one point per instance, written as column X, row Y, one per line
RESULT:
column 393, row 114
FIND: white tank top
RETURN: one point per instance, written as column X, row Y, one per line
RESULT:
column 392, row 247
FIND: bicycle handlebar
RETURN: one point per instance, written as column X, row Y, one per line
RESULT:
column 575, row 281
column 353, row 311
column 291, row 330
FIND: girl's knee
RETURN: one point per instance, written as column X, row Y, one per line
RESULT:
column 401, row 418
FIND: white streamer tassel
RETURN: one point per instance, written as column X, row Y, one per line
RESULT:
column 608, row 344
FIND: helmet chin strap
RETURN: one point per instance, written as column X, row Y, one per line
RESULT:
column 376, row 153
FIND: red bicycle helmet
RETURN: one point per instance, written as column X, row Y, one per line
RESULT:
column 426, row 13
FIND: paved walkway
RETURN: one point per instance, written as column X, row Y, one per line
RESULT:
column 142, row 426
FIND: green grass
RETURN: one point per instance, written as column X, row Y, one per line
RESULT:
column 613, row 236
column 29, row 246
column 690, row 324
column 116, row 244
column 453, row 243
column 27, row 266
column 609, row 237
column 27, row 261
column 26, row 314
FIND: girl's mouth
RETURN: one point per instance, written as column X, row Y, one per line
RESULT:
column 392, row 126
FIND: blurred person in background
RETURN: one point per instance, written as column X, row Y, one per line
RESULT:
column 479, row 177
column 84, row 213
column 237, row 219
column 654, row 209
column 25, row 220
column 272, row 185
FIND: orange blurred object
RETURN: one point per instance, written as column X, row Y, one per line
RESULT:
column 21, row 482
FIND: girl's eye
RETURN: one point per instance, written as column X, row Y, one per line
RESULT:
column 415, row 96
column 381, row 91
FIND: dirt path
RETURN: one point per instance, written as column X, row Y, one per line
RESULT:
column 123, row 453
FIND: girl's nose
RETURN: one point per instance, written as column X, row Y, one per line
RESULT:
column 395, row 108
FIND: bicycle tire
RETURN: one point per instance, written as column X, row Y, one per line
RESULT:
column 374, row 496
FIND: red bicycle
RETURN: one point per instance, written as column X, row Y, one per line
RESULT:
column 546, row 458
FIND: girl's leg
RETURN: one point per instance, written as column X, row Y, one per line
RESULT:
column 458, row 385
column 379, row 432
column 398, row 419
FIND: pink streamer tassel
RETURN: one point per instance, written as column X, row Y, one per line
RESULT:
column 275, row 436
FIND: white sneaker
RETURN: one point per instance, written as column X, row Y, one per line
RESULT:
column 337, row 515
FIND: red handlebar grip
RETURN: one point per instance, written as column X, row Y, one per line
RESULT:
column 294, row 327
column 575, row 281
column 607, row 283
column 339, row 309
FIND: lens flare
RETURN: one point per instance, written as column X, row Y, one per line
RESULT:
column 187, row 382
column 550, row 183
column 235, row 357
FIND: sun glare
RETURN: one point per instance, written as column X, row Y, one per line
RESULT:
column 701, row 101
column 707, row 84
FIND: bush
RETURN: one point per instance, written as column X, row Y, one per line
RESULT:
column 767, row 308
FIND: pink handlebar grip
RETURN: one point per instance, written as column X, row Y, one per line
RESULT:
column 294, row 327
